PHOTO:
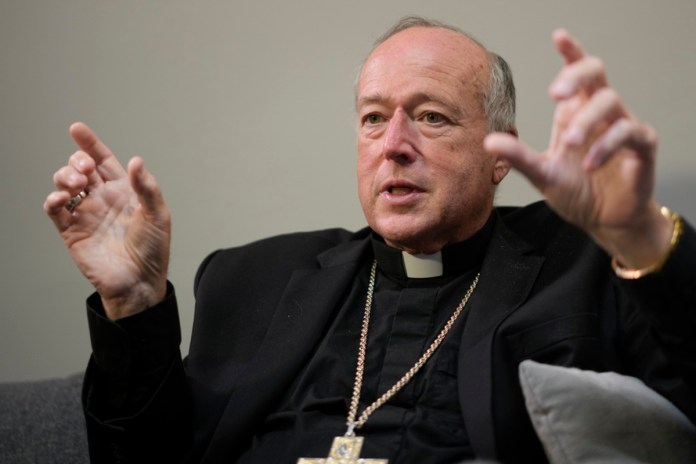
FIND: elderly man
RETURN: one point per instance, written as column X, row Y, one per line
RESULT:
column 402, row 339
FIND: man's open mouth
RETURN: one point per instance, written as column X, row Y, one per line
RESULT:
column 400, row 190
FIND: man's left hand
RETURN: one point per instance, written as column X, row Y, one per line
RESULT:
column 599, row 169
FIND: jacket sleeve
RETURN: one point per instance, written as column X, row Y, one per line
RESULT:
column 135, row 396
column 666, row 302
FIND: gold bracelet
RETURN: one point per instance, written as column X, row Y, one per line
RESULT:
column 633, row 274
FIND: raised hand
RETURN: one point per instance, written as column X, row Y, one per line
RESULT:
column 119, row 234
column 599, row 169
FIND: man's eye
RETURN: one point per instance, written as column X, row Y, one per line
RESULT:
column 373, row 119
column 434, row 118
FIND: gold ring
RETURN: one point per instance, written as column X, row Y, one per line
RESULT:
column 76, row 200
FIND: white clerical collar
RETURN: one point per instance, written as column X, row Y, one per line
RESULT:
column 421, row 266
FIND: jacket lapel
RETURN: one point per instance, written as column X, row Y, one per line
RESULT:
column 310, row 301
column 507, row 275
column 308, row 304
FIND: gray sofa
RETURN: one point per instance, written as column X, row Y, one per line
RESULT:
column 42, row 422
column 580, row 416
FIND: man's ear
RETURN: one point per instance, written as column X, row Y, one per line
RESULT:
column 500, row 170
column 502, row 167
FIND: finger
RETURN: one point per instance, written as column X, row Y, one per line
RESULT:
column 70, row 180
column 624, row 133
column 568, row 47
column 521, row 157
column 563, row 115
column 602, row 110
column 78, row 177
column 107, row 164
column 54, row 207
column 84, row 164
column 146, row 188
column 586, row 74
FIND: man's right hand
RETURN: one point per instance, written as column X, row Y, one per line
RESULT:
column 119, row 234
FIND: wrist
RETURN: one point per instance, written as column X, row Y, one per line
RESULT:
column 138, row 298
column 636, row 272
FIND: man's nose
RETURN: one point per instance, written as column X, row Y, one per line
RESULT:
column 399, row 139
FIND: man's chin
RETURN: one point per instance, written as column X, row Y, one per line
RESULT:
column 410, row 239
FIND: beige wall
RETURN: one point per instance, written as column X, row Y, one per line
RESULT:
column 244, row 112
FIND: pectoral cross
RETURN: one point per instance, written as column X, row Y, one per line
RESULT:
column 344, row 450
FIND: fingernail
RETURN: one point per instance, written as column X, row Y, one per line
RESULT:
column 592, row 158
column 561, row 89
column 589, row 163
column 574, row 136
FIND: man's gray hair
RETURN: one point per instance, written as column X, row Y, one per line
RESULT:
column 499, row 98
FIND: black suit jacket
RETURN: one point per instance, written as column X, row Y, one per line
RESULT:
column 546, row 292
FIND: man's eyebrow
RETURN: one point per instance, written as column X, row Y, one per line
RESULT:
column 424, row 97
column 369, row 99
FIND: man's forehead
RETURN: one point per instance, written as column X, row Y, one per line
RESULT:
column 431, row 41
column 445, row 58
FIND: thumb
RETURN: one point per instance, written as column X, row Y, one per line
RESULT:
column 146, row 188
column 521, row 157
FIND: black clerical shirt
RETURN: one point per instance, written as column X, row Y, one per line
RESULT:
column 423, row 421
